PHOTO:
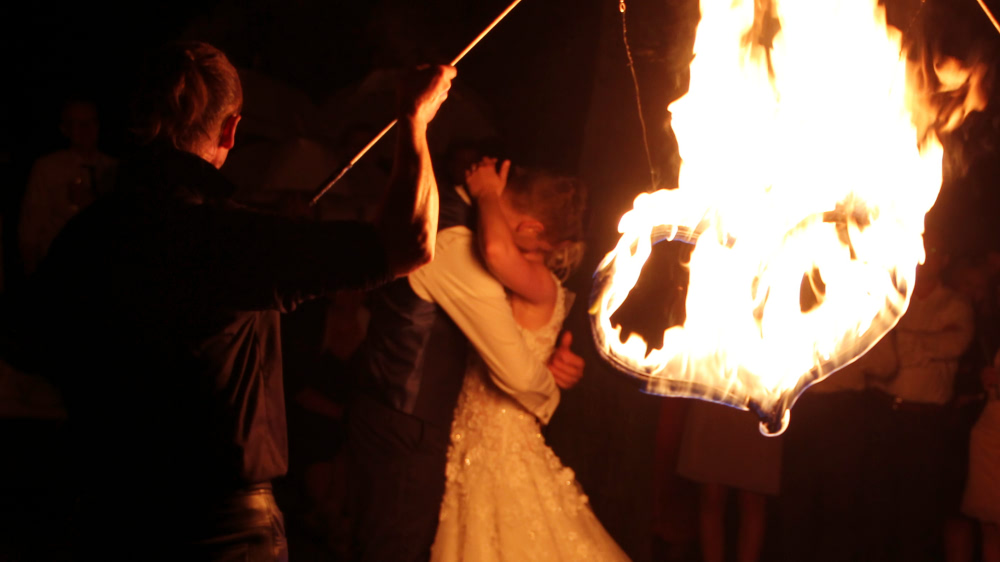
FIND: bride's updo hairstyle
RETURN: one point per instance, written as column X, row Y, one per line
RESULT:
column 558, row 202
column 185, row 93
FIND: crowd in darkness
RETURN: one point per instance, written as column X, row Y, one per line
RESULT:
column 875, row 466
column 896, row 457
column 877, row 461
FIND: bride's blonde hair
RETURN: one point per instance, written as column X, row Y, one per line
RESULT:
column 558, row 202
column 565, row 258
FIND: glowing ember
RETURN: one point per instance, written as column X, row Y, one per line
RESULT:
column 803, row 188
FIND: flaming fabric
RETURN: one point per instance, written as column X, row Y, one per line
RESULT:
column 810, row 158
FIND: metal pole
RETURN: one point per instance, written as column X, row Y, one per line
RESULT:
column 334, row 178
column 989, row 14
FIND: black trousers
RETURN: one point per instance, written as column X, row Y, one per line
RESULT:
column 244, row 526
column 397, row 482
column 905, row 488
column 822, row 473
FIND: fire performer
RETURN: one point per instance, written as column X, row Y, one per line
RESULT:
column 164, row 301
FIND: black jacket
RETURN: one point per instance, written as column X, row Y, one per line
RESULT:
column 157, row 314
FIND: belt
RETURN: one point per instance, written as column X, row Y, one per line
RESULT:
column 897, row 404
column 198, row 510
column 255, row 488
column 257, row 497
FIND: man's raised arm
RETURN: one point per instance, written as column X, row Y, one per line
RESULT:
column 407, row 220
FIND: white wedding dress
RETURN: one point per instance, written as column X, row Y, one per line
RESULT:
column 507, row 496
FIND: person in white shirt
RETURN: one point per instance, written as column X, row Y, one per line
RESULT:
column 63, row 183
column 908, row 438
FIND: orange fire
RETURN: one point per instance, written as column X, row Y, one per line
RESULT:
column 808, row 167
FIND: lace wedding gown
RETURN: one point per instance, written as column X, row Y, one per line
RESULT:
column 507, row 496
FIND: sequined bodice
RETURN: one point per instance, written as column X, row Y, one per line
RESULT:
column 483, row 408
column 508, row 497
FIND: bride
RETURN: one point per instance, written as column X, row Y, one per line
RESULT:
column 507, row 496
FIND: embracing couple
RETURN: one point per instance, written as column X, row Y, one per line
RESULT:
column 460, row 369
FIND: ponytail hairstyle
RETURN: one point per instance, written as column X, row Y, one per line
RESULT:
column 185, row 93
column 558, row 202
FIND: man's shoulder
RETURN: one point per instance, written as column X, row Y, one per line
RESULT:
column 455, row 235
column 54, row 162
column 454, row 244
column 58, row 157
column 455, row 269
column 98, row 221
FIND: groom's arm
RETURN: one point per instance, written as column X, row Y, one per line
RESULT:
column 457, row 281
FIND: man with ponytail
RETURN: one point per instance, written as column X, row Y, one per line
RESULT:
column 161, row 317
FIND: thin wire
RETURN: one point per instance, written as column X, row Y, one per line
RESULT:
column 909, row 26
column 638, row 100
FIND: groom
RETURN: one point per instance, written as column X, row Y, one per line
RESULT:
column 411, row 369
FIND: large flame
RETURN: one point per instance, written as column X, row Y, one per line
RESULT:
column 807, row 171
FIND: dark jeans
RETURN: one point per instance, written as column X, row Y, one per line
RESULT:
column 905, row 492
column 397, row 482
column 245, row 526
column 821, row 478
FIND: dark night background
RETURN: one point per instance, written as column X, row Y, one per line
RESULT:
column 552, row 81
column 537, row 75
